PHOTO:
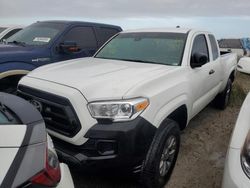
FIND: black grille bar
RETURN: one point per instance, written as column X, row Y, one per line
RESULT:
column 57, row 111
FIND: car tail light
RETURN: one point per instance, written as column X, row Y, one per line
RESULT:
column 51, row 175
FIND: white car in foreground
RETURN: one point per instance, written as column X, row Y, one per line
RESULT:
column 7, row 31
column 28, row 158
column 244, row 65
column 237, row 167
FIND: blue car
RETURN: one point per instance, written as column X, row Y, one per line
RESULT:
column 47, row 42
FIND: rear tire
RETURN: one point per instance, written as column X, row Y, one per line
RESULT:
column 222, row 99
column 161, row 157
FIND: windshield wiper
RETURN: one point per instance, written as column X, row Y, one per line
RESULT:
column 138, row 60
column 18, row 43
column 4, row 111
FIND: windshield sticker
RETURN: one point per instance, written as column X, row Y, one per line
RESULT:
column 41, row 39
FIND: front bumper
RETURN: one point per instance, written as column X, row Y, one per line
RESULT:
column 234, row 177
column 110, row 145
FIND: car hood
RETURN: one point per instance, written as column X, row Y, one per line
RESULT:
column 12, row 52
column 99, row 79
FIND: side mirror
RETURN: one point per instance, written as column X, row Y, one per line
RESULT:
column 69, row 47
column 198, row 59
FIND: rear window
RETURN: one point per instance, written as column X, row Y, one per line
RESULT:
column 7, row 117
column 214, row 47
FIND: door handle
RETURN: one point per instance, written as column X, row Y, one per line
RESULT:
column 211, row 71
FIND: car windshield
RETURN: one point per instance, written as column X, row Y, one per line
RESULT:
column 37, row 34
column 2, row 29
column 146, row 47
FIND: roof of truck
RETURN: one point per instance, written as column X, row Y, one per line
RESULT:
column 68, row 22
column 167, row 30
column 170, row 30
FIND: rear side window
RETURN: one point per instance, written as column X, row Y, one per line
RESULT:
column 200, row 45
column 83, row 36
column 214, row 46
column 105, row 33
column 8, row 35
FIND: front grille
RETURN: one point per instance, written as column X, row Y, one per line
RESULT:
column 57, row 111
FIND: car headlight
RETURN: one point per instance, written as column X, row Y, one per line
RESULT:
column 245, row 156
column 121, row 110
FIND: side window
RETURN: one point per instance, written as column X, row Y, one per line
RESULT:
column 105, row 33
column 83, row 36
column 200, row 45
column 9, row 34
column 214, row 46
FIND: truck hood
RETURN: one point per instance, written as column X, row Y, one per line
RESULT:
column 99, row 79
column 12, row 52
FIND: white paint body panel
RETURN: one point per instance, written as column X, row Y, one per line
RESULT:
column 167, row 87
column 7, row 157
column 8, row 139
column 9, row 29
column 244, row 62
column 9, row 145
column 234, row 177
column 66, row 179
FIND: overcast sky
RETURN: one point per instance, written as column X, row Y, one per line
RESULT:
column 226, row 18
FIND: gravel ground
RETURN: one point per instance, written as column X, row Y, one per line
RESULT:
column 203, row 148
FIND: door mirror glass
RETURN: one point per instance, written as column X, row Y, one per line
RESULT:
column 69, row 47
column 198, row 59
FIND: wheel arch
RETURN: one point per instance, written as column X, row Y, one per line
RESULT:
column 232, row 76
column 176, row 110
column 180, row 115
column 13, row 73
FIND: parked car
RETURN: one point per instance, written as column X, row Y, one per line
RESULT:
column 232, row 45
column 237, row 165
column 244, row 65
column 125, row 107
column 7, row 31
column 47, row 42
column 28, row 158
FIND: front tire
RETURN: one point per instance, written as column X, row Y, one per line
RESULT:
column 162, row 155
column 222, row 99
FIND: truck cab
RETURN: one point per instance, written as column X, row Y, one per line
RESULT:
column 124, row 107
column 47, row 42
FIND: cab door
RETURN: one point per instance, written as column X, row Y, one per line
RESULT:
column 215, row 79
column 202, row 80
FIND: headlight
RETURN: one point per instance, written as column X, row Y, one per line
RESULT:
column 245, row 156
column 118, row 110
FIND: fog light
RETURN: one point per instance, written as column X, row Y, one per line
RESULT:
column 106, row 147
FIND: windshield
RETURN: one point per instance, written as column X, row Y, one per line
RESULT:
column 2, row 29
column 37, row 34
column 158, row 48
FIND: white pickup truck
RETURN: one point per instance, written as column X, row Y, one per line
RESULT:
column 124, row 107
